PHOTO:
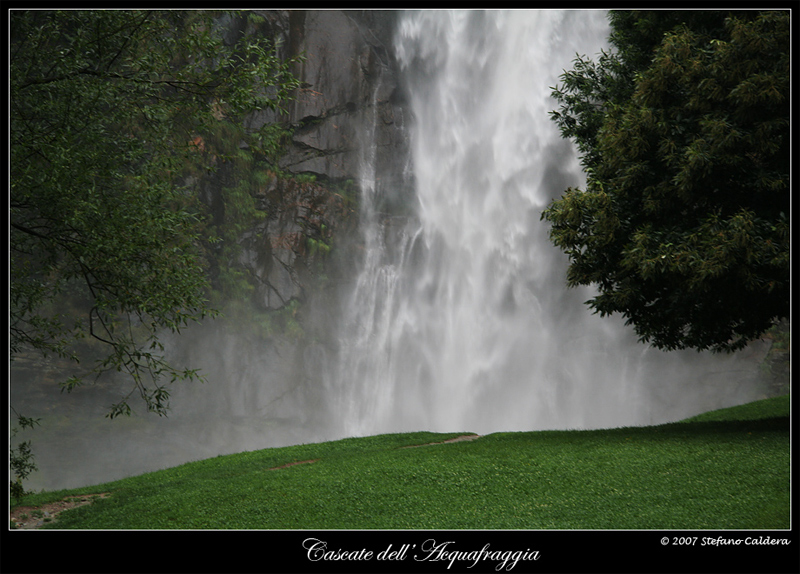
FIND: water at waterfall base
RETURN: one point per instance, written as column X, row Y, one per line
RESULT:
column 459, row 319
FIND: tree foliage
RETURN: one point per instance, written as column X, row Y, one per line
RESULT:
column 20, row 458
column 683, row 130
column 107, row 110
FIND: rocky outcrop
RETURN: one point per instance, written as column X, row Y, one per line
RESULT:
column 351, row 104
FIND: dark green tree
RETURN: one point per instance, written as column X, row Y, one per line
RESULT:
column 108, row 109
column 683, row 129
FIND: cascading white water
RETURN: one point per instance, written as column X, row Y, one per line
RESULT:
column 460, row 319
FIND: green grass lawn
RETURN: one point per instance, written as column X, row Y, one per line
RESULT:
column 727, row 469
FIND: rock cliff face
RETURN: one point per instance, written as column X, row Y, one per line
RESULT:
column 348, row 115
column 349, row 84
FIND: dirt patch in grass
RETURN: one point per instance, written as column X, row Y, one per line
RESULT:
column 457, row 439
column 32, row 517
column 293, row 464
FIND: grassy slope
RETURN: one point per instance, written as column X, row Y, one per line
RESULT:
column 726, row 469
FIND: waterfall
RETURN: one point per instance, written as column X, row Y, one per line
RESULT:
column 460, row 319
